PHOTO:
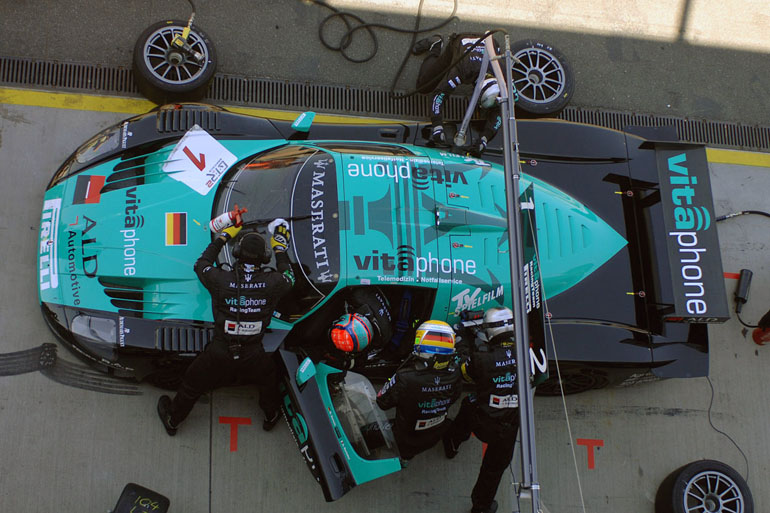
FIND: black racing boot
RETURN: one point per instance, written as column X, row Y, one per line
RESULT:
column 164, row 412
column 432, row 43
column 450, row 449
column 271, row 420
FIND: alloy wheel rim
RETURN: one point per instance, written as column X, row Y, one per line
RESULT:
column 538, row 76
column 169, row 64
column 712, row 492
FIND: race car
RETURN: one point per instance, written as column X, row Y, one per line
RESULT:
column 622, row 256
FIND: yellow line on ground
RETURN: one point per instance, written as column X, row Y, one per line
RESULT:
column 91, row 102
column 103, row 103
column 743, row 158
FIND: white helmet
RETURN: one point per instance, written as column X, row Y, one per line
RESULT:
column 489, row 93
column 498, row 320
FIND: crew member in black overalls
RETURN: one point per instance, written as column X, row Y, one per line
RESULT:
column 433, row 77
column 491, row 411
column 423, row 389
column 242, row 301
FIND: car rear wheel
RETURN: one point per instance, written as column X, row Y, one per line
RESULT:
column 542, row 76
column 166, row 72
column 705, row 486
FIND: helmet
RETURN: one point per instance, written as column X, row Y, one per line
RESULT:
column 489, row 93
column 497, row 320
column 251, row 249
column 434, row 338
column 351, row 333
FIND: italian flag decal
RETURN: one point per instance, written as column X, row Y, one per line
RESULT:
column 176, row 228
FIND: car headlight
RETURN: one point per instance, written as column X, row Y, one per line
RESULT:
column 97, row 334
column 105, row 142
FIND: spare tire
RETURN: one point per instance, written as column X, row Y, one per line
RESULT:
column 164, row 72
column 542, row 76
column 705, row 486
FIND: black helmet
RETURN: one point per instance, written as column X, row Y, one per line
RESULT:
column 251, row 249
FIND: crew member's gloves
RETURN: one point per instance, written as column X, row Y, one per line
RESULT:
column 480, row 147
column 281, row 235
column 438, row 136
column 231, row 232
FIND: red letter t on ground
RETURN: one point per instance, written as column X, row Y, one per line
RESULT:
column 590, row 443
column 234, row 423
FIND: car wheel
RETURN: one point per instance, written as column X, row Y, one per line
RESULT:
column 705, row 486
column 572, row 382
column 164, row 72
column 542, row 76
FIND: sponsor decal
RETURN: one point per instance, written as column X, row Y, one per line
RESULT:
column 299, row 431
column 316, row 243
column 429, row 423
column 49, row 242
column 399, row 169
column 248, row 284
column 317, row 221
column 467, row 300
column 88, row 189
column 88, row 258
column 198, row 161
column 243, row 327
column 508, row 377
column 504, row 401
column 122, row 331
column 132, row 222
column 433, row 403
column 246, row 305
column 531, row 286
column 124, row 135
column 692, row 240
column 407, row 261
column 439, row 388
column 176, row 228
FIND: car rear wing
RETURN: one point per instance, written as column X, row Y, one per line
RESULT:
column 688, row 266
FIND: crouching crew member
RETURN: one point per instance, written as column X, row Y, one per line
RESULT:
column 242, row 301
column 423, row 389
column 433, row 76
column 491, row 411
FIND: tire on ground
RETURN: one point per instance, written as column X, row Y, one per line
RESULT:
column 543, row 77
column 705, row 485
column 163, row 74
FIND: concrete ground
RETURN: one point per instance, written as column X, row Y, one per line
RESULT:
column 66, row 448
column 691, row 58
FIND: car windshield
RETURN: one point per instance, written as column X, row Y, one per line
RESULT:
column 297, row 183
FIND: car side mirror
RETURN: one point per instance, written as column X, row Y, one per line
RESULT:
column 303, row 122
column 305, row 372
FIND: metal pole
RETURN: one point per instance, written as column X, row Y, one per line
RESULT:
column 521, row 329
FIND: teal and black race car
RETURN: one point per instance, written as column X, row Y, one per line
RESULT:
column 622, row 255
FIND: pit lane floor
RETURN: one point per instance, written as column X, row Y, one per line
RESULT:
column 65, row 448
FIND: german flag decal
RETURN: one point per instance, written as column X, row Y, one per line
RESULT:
column 176, row 228
column 88, row 189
